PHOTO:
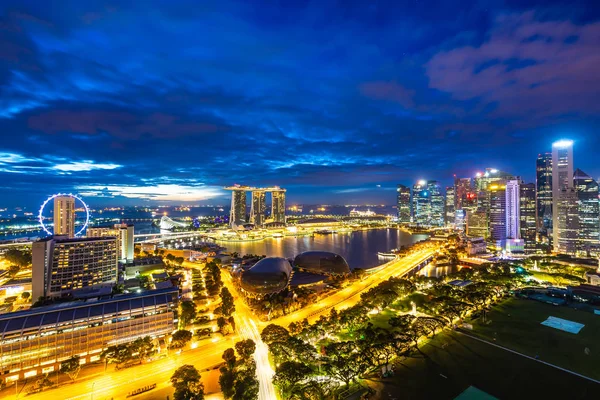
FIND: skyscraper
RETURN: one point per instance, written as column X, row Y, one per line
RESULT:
column 543, row 169
column 64, row 216
column 497, row 213
column 566, row 227
column 63, row 265
column 562, row 185
column 421, row 204
column 450, row 215
column 403, row 203
column 238, row 207
column 258, row 208
column 528, row 216
column 278, row 205
column 513, row 210
column 588, row 209
column 437, row 203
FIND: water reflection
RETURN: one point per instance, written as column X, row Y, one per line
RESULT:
column 432, row 271
column 358, row 248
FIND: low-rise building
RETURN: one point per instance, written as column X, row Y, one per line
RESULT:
column 36, row 341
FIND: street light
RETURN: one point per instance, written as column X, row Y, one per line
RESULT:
column 92, row 394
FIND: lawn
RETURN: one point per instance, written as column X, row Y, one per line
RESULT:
column 454, row 362
column 516, row 324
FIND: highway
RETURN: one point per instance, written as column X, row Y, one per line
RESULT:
column 112, row 384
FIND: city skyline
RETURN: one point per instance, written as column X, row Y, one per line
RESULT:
column 441, row 95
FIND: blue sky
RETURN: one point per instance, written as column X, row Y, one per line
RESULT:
column 132, row 102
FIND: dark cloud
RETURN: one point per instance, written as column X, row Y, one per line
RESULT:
column 328, row 99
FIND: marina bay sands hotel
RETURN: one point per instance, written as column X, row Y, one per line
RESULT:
column 258, row 207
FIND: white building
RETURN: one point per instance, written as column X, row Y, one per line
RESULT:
column 562, row 183
column 513, row 213
column 125, row 240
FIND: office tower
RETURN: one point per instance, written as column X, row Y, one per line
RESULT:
column 278, row 205
column 562, row 183
column 477, row 223
column 258, row 208
column 124, row 235
column 437, row 204
column 528, row 216
column 237, row 214
column 463, row 193
column 62, row 265
column 450, row 216
column 513, row 209
column 64, row 216
column 403, row 204
column 421, row 204
column 588, row 214
column 497, row 213
column 34, row 342
column 566, row 216
column 543, row 169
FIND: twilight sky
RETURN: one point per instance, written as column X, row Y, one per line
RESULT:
column 130, row 101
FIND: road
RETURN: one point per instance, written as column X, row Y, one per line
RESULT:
column 116, row 384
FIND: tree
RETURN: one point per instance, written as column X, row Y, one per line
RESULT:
column 179, row 260
column 180, row 338
column 18, row 257
column 288, row 376
column 246, row 385
column 343, row 362
column 245, row 349
column 224, row 326
column 227, row 382
column 142, row 346
column 188, row 313
column 274, row 333
column 227, row 303
column 116, row 354
column 71, row 367
column 25, row 295
column 229, row 358
column 202, row 333
column 187, row 383
column 403, row 321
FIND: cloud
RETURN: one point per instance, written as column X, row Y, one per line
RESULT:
column 159, row 192
column 79, row 166
column 526, row 68
column 390, row 91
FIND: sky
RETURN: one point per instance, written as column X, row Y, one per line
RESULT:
column 148, row 102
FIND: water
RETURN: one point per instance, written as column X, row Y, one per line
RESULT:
column 358, row 248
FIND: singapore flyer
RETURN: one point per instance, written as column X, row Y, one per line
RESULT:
column 77, row 199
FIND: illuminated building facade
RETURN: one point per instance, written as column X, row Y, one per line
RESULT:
column 513, row 210
column 403, row 203
column 562, row 185
column 497, row 212
column 124, row 235
column 543, row 171
column 64, row 216
column 477, row 224
column 237, row 214
column 421, row 204
column 588, row 214
column 528, row 216
column 449, row 214
column 63, row 265
column 258, row 205
column 427, row 204
column 258, row 208
column 36, row 341
column 567, row 222
column 278, row 205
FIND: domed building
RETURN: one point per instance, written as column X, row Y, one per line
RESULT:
column 322, row 262
column 269, row 275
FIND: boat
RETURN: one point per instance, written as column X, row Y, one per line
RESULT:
column 386, row 255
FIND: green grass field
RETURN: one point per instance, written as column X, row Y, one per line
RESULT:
column 516, row 324
column 453, row 362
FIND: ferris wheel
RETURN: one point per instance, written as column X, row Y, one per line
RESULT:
column 77, row 199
